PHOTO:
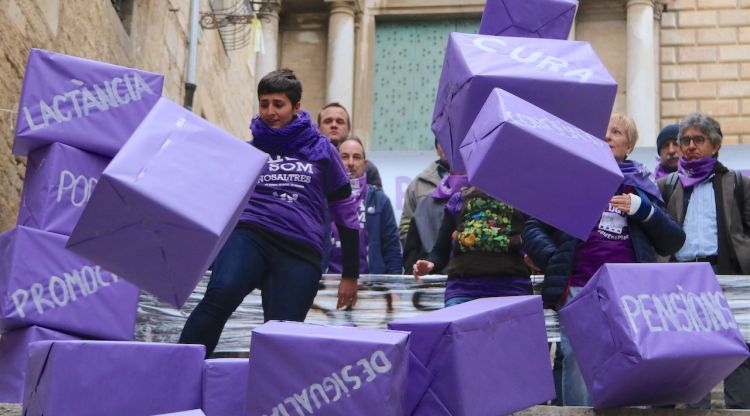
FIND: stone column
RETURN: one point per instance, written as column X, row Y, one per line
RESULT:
column 340, row 62
column 641, row 71
column 269, row 20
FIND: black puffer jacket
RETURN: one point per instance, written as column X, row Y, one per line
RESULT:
column 553, row 251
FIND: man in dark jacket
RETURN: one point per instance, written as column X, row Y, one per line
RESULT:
column 712, row 203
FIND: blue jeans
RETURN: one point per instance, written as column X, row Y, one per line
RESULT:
column 574, row 391
column 246, row 262
column 458, row 300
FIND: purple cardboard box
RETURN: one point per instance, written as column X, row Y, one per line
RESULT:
column 14, row 347
column 484, row 357
column 298, row 368
column 575, row 169
column 43, row 284
column 564, row 78
column 58, row 184
column 649, row 334
column 225, row 386
column 86, row 104
column 97, row 378
column 167, row 202
column 550, row 19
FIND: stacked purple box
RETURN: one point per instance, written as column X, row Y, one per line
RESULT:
column 484, row 357
column 549, row 19
column 298, row 368
column 112, row 378
column 225, row 386
column 649, row 334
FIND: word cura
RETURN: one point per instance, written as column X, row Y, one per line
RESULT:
column 338, row 384
column 542, row 61
column 80, row 188
column 58, row 291
column 678, row 311
column 81, row 101
column 556, row 126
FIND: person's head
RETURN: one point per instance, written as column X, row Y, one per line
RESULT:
column 334, row 122
column 700, row 136
column 667, row 146
column 279, row 95
column 352, row 153
column 622, row 135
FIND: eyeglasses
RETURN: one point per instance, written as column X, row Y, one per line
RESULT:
column 698, row 140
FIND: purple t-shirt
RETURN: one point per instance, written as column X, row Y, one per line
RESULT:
column 609, row 242
column 290, row 195
column 359, row 191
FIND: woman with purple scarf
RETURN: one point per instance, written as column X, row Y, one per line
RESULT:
column 277, row 245
column 635, row 227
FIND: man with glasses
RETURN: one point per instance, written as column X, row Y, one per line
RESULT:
column 713, row 205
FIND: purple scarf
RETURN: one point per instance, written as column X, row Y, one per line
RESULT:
column 637, row 175
column 693, row 172
column 299, row 136
column 449, row 185
column 661, row 171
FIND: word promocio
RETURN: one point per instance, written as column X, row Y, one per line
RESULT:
column 80, row 102
column 338, row 383
column 70, row 182
column 678, row 311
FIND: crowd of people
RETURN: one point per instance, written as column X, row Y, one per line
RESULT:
column 331, row 215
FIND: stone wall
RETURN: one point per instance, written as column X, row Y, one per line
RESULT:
column 155, row 39
column 705, row 63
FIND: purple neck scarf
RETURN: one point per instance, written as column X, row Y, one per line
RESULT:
column 692, row 172
column 449, row 185
column 661, row 171
column 299, row 136
column 637, row 175
column 359, row 188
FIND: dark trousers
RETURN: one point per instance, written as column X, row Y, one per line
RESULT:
column 737, row 387
column 247, row 261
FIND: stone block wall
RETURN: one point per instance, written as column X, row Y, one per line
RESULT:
column 154, row 38
column 705, row 63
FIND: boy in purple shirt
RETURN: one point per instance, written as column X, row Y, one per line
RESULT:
column 277, row 245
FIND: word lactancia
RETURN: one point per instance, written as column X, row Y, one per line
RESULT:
column 542, row 61
column 80, row 188
column 678, row 311
column 58, row 291
column 339, row 384
column 82, row 101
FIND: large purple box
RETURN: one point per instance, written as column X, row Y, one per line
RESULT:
column 484, row 357
column 86, row 104
column 564, row 78
column 649, row 334
column 58, row 184
column 43, row 284
column 167, row 202
column 550, row 19
column 512, row 138
column 225, row 386
column 14, row 348
column 298, row 368
column 97, row 378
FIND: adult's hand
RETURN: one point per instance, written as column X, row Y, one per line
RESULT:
column 422, row 267
column 347, row 293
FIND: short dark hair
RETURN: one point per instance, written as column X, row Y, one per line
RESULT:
column 284, row 81
column 335, row 104
column 355, row 139
column 705, row 123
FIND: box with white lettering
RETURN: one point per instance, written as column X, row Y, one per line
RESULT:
column 166, row 203
column 42, row 283
column 225, row 386
column 298, row 368
column 574, row 168
column 58, row 184
column 96, row 378
column 650, row 334
column 14, row 351
column 481, row 358
column 562, row 77
column 90, row 105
